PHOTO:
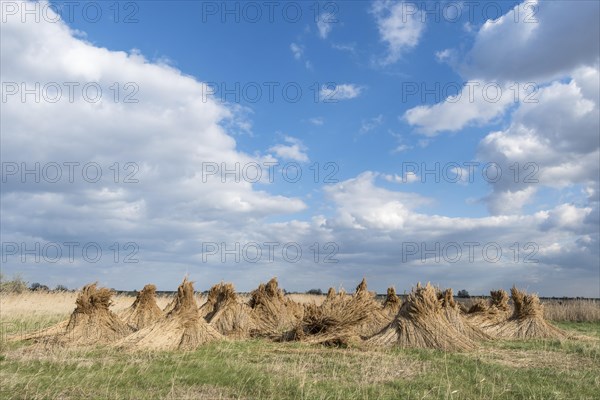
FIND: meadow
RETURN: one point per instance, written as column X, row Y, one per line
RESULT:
column 261, row 369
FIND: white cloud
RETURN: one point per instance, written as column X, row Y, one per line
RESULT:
column 295, row 150
column 318, row 121
column 170, row 133
column 509, row 202
column 461, row 174
column 297, row 50
column 442, row 55
column 363, row 205
column 409, row 177
column 343, row 91
column 554, row 141
column 530, row 45
column 567, row 216
column 325, row 24
column 375, row 224
column 554, row 138
column 549, row 39
column 401, row 148
column 239, row 121
column 477, row 103
column 399, row 25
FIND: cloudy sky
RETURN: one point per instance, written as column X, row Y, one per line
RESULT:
column 320, row 142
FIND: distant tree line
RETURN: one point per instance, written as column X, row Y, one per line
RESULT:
column 18, row 285
column 314, row 291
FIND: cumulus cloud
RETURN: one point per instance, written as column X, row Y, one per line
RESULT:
column 509, row 201
column 377, row 226
column 362, row 205
column 551, row 137
column 530, row 46
column 170, row 134
column 548, row 40
column 554, row 142
column 294, row 150
column 568, row 216
column 477, row 103
column 400, row 27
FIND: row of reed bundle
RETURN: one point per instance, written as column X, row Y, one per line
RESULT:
column 525, row 322
column 428, row 318
column 343, row 320
column 422, row 323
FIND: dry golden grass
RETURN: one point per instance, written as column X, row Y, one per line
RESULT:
column 307, row 298
column 32, row 311
column 576, row 310
column 562, row 310
column 62, row 303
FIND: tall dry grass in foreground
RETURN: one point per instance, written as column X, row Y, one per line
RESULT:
column 575, row 310
column 561, row 310
column 44, row 303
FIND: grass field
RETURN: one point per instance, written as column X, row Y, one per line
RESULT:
column 259, row 369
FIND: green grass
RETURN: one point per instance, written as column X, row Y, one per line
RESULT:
column 589, row 328
column 257, row 369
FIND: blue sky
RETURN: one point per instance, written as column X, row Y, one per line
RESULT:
column 374, row 59
column 186, row 33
